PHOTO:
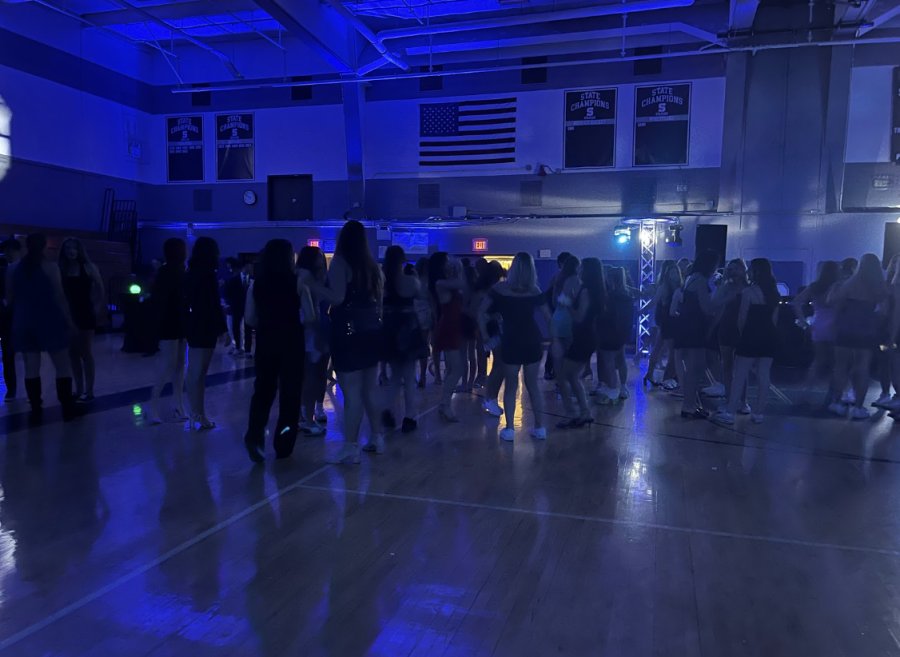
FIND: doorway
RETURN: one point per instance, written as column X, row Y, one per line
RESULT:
column 290, row 198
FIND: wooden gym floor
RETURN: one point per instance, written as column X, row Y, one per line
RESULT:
column 643, row 535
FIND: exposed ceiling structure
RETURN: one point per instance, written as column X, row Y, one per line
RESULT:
column 399, row 37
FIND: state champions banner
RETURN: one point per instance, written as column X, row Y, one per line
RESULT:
column 184, row 148
column 235, row 147
column 662, row 118
column 590, row 128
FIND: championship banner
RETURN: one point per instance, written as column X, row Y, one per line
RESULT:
column 895, row 117
column 234, row 147
column 184, row 159
column 662, row 125
column 590, row 129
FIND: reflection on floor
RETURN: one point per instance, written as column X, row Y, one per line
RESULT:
column 642, row 535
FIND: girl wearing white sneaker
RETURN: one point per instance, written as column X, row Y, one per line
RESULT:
column 857, row 302
column 728, row 295
column 757, row 322
column 516, row 300
column 821, row 326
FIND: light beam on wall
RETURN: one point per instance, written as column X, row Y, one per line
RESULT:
column 5, row 138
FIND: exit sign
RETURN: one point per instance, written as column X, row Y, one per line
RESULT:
column 479, row 245
column 314, row 243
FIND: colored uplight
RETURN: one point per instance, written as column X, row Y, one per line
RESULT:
column 317, row 244
column 135, row 289
column 622, row 235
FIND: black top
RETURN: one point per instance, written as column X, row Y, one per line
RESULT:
column 693, row 323
column 584, row 334
column 78, row 294
column 616, row 323
column 279, row 330
column 729, row 334
column 205, row 321
column 171, row 305
column 521, row 340
column 759, row 339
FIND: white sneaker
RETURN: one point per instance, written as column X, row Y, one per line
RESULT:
column 507, row 434
column 715, row 390
column 723, row 417
column 857, row 413
column 623, row 393
column 492, row 407
column 539, row 433
column 745, row 409
column 757, row 418
column 882, row 401
column 837, row 408
column 848, row 397
column 670, row 384
column 722, row 409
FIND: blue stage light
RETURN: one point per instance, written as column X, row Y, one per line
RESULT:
column 622, row 235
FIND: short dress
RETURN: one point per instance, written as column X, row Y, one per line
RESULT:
column 206, row 319
column 39, row 323
column 614, row 330
column 824, row 324
column 693, row 323
column 356, row 331
column 170, row 302
column 729, row 333
column 78, row 293
column 448, row 335
column 584, row 336
column 521, row 342
column 759, row 339
column 664, row 320
column 857, row 324
column 403, row 334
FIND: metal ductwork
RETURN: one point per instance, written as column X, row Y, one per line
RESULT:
column 580, row 13
column 367, row 34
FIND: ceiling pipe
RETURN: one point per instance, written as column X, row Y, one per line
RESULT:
column 583, row 62
column 135, row 43
column 529, row 19
column 153, row 19
column 367, row 34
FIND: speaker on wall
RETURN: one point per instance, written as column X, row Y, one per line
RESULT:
column 891, row 242
column 712, row 236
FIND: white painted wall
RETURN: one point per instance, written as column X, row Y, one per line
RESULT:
column 289, row 140
column 392, row 132
column 57, row 125
column 869, row 121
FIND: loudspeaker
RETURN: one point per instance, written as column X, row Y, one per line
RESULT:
column 712, row 236
column 891, row 242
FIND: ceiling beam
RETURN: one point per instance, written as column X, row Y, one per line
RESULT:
column 879, row 20
column 316, row 27
column 173, row 11
column 741, row 14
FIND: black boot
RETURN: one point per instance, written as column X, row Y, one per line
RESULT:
column 66, row 400
column 33, row 390
column 283, row 442
column 255, row 448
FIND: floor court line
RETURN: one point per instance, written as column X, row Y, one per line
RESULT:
column 174, row 552
column 609, row 521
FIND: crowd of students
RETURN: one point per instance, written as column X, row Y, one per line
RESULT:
column 397, row 323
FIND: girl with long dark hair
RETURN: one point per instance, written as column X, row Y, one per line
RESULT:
column 516, row 300
column 404, row 342
column 489, row 329
column 312, row 269
column 728, row 296
column 425, row 313
column 695, row 311
column 446, row 284
column 42, row 322
column 665, row 325
column 565, row 288
column 355, row 291
column 758, row 344
column 205, row 324
column 614, row 331
column 589, row 304
column 821, row 325
column 170, row 304
column 857, row 300
column 275, row 301
column 82, row 285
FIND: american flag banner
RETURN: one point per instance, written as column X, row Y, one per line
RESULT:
column 467, row 133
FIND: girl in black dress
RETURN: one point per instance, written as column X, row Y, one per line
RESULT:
column 665, row 325
column 516, row 299
column 404, row 342
column 857, row 301
column 169, row 300
column 312, row 269
column 695, row 310
column 82, row 284
column 758, row 344
column 614, row 331
column 205, row 324
column 728, row 297
column 490, row 332
column 589, row 304
column 355, row 293
column 275, row 300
